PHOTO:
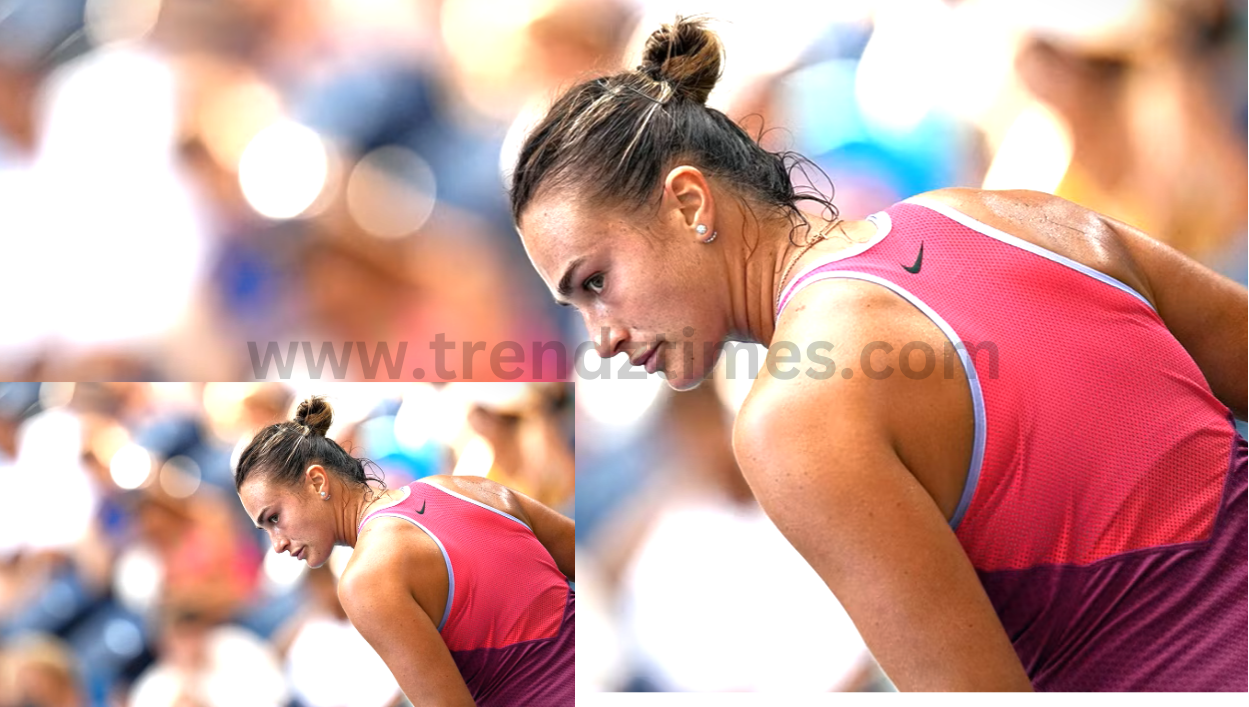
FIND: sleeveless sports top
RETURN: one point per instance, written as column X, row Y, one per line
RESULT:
column 1104, row 507
column 509, row 619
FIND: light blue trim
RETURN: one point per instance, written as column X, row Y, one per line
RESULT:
column 883, row 224
column 977, row 396
column 444, row 489
column 446, row 613
column 1008, row 239
column 407, row 493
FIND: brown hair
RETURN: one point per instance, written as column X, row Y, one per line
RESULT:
column 612, row 139
column 283, row 452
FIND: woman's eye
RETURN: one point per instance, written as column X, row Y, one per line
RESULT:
column 273, row 519
column 595, row 283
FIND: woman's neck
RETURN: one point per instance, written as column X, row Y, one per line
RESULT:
column 359, row 502
column 763, row 252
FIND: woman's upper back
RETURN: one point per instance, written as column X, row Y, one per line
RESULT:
column 500, row 604
column 1051, row 223
column 1204, row 311
column 1089, row 437
column 937, row 439
column 466, row 549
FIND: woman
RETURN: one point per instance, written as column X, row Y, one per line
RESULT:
column 461, row 585
column 1057, row 503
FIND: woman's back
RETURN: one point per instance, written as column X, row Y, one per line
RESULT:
column 1100, row 493
column 508, row 612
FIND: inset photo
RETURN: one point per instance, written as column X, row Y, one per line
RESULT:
column 269, row 545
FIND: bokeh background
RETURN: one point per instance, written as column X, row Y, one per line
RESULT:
column 180, row 177
column 130, row 575
column 1135, row 108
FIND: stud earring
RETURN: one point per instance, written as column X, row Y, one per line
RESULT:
column 701, row 230
column 324, row 496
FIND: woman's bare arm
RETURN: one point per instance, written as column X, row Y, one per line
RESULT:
column 1205, row 311
column 380, row 604
column 821, row 458
column 556, row 532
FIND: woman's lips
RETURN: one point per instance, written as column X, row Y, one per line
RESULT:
column 652, row 361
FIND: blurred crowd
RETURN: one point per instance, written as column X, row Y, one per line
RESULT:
column 181, row 177
column 131, row 576
column 686, row 585
column 1135, row 108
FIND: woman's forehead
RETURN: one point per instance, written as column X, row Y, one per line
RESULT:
column 557, row 231
column 554, row 216
column 258, row 492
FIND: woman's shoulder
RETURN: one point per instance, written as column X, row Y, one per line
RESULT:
column 482, row 491
column 839, row 342
column 389, row 545
column 393, row 560
column 848, row 355
column 1051, row 222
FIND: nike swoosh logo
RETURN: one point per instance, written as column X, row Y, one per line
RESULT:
column 422, row 511
column 919, row 261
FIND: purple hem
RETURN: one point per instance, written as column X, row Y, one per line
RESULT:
column 534, row 672
column 1171, row 618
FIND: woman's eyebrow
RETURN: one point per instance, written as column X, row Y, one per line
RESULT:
column 565, row 282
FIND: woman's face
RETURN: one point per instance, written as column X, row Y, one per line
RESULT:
column 648, row 290
column 297, row 520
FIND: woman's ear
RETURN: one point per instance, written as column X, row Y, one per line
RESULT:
column 688, row 201
column 318, row 478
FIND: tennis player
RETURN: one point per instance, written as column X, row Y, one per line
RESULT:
column 460, row 584
column 997, row 424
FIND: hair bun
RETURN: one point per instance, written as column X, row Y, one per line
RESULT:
column 315, row 413
column 687, row 54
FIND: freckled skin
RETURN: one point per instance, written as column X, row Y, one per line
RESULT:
column 299, row 522
column 660, row 279
column 305, row 520
column 653, row 285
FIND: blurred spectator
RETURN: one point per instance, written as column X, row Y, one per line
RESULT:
column 204, row 664
column 696, row 531
column 40, row 671
column 530, row 442
column 1154, row 142
column 205, row 560
column 319, row 644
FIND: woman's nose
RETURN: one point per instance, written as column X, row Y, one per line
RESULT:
column 608, row 340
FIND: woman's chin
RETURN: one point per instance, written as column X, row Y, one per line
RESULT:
column 314, row 561
column 690, row 373
column 682, row 383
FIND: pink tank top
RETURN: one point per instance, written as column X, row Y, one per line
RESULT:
column 1104, row 507
column 510, row 612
